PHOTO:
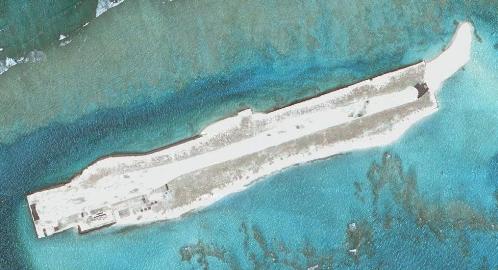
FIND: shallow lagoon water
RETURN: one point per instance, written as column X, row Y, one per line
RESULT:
column 303, row 215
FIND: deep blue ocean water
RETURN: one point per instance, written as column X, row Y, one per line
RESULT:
column 432, row 205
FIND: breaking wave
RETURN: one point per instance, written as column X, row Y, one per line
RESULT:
column 31, row 57
column 104, row 5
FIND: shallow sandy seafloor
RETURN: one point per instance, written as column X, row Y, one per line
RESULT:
column 438, row 212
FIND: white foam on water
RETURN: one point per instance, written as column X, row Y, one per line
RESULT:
column 31, row 57
column 65, row 42
column 10, row 62
column 104, row 5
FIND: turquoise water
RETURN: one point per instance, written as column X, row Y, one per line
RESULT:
column 432, row 205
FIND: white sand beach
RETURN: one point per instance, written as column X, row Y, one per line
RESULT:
column 233, row 153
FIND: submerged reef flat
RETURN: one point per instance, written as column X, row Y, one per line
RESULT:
column 398, row 209
column 390, row 184
column 398, row 202
column 259, row 253
column 229, row 155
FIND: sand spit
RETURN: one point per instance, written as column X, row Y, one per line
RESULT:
column 235, row 152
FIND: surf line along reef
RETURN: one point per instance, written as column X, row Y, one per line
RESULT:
column 231, row 154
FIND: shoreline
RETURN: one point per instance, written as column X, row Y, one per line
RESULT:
column 348, row 105
column 125, row 154
column 377, row 140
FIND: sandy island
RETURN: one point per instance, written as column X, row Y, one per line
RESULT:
column 235, row 152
